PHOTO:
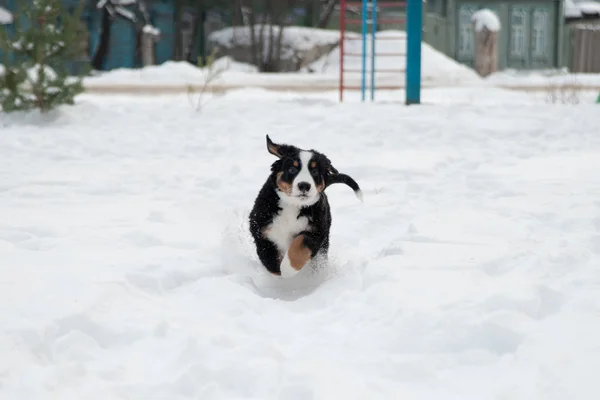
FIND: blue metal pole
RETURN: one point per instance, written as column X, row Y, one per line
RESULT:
column 414, row 27
column 364, row 49
column 373, row 30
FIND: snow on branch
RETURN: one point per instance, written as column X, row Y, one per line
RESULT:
column 102, row 3
column 118, row 7
column 486, row 18
column 151, row 30
column 6, row 16
column 125, row 13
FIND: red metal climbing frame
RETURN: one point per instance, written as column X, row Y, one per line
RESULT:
column 363, row 21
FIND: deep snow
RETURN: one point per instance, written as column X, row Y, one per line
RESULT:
column 470, row 271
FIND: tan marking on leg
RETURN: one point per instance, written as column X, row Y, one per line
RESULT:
column 298, row 253
column 283, row 186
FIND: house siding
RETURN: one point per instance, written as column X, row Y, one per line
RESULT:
column 526, row 54
column 528, row 38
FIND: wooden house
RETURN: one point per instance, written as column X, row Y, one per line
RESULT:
column 532, row 31
column 531, row 36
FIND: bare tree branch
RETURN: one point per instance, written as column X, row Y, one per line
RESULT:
column 326, row 14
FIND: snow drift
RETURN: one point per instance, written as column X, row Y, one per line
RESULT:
column 469, row 273
column 299, row 45
column 436, row 67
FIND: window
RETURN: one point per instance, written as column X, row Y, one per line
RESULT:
column 466, row 41
column 432, row 6
column 517, row 32
column 539, row 32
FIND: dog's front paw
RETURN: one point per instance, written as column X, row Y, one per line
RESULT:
column 297, row 256
column 287, row 270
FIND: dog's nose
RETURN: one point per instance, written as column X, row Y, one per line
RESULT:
column 304, row 186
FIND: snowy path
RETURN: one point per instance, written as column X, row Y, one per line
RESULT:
column 470, row 272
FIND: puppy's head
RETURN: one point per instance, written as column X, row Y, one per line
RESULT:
column 300, row 175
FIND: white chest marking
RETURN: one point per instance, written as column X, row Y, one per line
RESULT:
column 286, row 225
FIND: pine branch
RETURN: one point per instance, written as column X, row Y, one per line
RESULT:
column 37, row 77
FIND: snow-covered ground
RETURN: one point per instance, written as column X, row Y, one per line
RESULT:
column 543, row 78
column 438, row 70
column 469, row 272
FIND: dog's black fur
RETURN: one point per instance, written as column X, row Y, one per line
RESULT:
column 303, row 229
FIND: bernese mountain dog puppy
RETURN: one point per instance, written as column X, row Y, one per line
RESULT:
column 291, row 219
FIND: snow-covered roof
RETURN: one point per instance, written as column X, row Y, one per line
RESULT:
column 6, row 16
column 578, row 9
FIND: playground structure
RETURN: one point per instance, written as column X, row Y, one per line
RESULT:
column 369, row 17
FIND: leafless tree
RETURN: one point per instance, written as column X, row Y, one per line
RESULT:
column 327, row 11
column 266, row 21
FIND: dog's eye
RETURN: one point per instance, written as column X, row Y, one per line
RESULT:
column 292, row 170
column 314, row 172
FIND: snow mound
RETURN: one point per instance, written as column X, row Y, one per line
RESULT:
column 436, row 67
column 294, row 37
column 575, row 9
column 543, row 77
column 229, row 65
column 168, row 73
column 299, row 45
column 6, row 16
column 486, row 18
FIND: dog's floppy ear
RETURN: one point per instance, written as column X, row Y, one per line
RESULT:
column 328, row 166
column 281, row 150
column 274, row 148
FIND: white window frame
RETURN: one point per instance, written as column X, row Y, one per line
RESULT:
column 518, row 33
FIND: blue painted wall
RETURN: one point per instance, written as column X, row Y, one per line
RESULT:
column 162, row 17
column 122, row 52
